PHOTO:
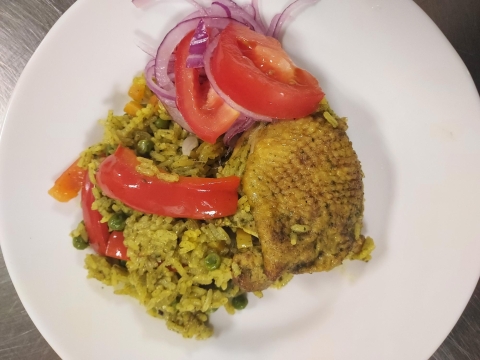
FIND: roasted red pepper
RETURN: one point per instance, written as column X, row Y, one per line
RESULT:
column 116, row 248
column 196, row 198
column 97, row 231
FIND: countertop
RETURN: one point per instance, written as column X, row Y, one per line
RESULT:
column 23, row 25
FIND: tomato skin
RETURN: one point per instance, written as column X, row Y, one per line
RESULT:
column 204, row 111
column 116, row 248
column 195, row 198
column 257, row 74
column 97, row 231
column 68, row 185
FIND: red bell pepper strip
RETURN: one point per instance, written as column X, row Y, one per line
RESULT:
column 68, row 185
column 195, row 198
column 97, row 231
column 116, row 248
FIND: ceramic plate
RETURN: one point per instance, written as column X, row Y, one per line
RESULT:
column 413, row 115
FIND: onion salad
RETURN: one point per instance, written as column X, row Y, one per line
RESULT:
column 207, row 22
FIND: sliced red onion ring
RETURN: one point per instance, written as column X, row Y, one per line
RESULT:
column 161, row 93
column 250, row 10
column 273, row 25
column 214, row 33
column 150, row 63
column 213, row 11
column 195, row 61
column 196, row 4
column 278, row 20
column 215, row 17
column 147, row 49
column 225, row 97
column 171, row 66
column 238, row 13
column 141, row 3
column 171, row 41
column 240, row 125
column 224, row 7
column 256, row 10
column 177, row 117
column 197, row 46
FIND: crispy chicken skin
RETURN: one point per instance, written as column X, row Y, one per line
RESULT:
column 304, row 184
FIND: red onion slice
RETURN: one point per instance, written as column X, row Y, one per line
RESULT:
column 254, row 11
column 250, row 10
column 279, row 19
column 238, row 13
column 196, row 4
column 171, row 41
column 177, row 116
column 198, row 46
column 195, row 61
column 162, row 94
column 227, row 8
column 147, row 49
column 215, row 17
column 141, row 3
column 256, row 14
column 240, row 125
column 224, row 7
column 171, row 65
column 225, row 97
column 213, row 11
column 273, row 25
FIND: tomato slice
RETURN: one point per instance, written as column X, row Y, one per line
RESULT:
column 256, row 73
column 97, row 231
column 196, row 198
column 68, row 185
column 116, row 248
column 205, row 112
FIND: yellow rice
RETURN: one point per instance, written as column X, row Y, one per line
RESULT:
column 166, row 271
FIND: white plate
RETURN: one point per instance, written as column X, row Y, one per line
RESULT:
column 413, row 113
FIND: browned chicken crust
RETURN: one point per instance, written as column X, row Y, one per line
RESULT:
column 303, row 181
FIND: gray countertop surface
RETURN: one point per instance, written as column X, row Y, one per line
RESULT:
column 23, row 25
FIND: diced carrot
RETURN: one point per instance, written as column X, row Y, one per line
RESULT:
column 136, row 92
column 153, row 100
column 132, row 107
column 68, row 185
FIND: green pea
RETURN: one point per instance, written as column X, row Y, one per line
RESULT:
column 79, row 243
column 161, row 124
column 117, row 222
column 240, row 302
column 141, row 135
column 229, row 286
column 144, row 147
column 110, row 149
column 212, row 261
